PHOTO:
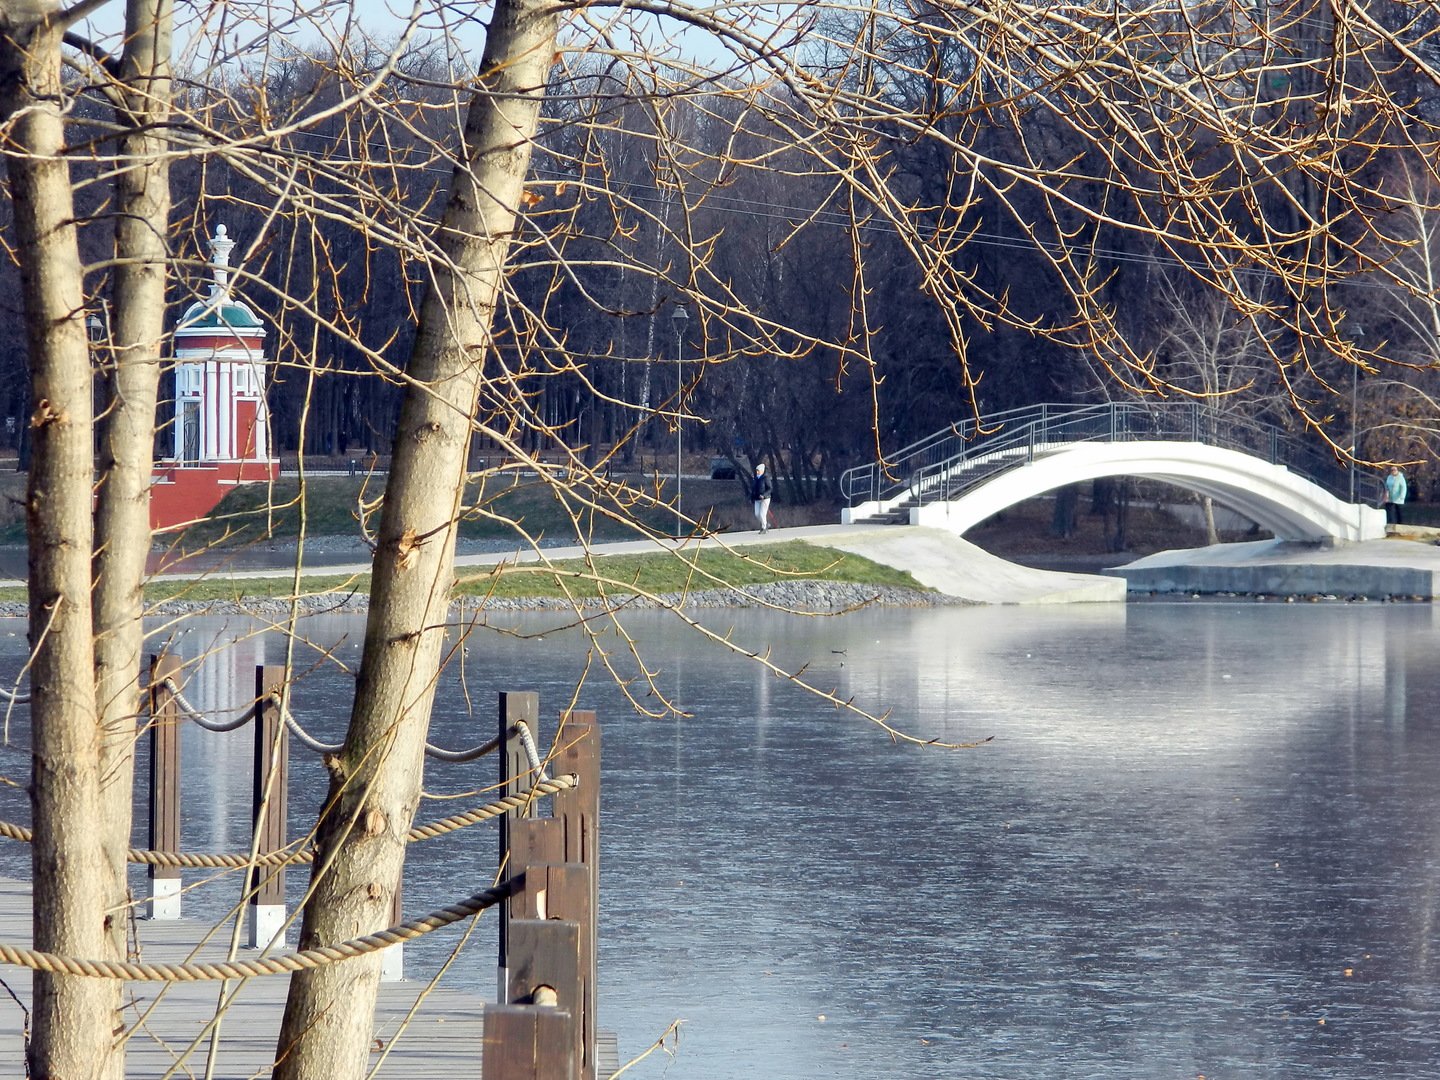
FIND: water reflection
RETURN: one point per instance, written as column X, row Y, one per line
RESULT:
column 1203, row 840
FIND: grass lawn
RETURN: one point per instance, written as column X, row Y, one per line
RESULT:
column 660, row 572
column 692, row 571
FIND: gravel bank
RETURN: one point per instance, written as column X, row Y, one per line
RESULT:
column 804, row 596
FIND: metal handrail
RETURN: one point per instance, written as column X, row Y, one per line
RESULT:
column 948, row 463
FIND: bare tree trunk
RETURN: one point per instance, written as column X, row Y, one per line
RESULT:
column 122, row 512
column 1212, row 534
column 375, row 782
column 74, row 1018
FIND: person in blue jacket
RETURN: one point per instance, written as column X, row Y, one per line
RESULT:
column 1395, row 491
column 760, row 489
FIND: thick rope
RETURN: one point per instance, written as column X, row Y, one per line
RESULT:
column 283, row 964
column 437, row 753
column 192, row 713
column 305, row 738
column 548, row 786
column 311, row 743
column 14, row 696
column 194, row 860
column 532, row 754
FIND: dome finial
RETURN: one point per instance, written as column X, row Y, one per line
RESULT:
column 220, row 247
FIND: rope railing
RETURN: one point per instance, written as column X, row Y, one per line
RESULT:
column 283, row 964
column 196, row 716
column 189, row 860
column 304, row 737
column 311, row 743
column 531, row 753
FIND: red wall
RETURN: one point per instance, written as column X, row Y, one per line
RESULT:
column 181, row 494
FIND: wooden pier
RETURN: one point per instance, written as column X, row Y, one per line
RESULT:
column 441, row 1041
column 544, row 1029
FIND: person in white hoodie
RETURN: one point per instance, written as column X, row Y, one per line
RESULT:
column 760, row 489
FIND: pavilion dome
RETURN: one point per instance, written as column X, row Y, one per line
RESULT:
column 219, row 313
column 220, row 310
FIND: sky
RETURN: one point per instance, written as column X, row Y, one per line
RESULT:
column 251, row 26
column 247, row 27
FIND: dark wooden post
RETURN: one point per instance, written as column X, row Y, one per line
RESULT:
column 514, row 709
column 164, row 825
column 535, row 841
column 268, row 806
column 544, row 972
column 577, row 745
column 527, row 1042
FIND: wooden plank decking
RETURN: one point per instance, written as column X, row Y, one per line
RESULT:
column 441, row 1041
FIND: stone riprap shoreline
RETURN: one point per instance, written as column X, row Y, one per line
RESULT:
column 810, row 597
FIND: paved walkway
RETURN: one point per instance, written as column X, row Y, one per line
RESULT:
column 937, row 558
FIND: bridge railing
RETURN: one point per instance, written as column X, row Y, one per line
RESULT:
column 951, row 462
column 874, row 481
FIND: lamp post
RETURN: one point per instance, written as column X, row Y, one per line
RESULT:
column 1354, row 420
column 679, row 318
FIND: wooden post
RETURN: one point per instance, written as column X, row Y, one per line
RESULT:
column 534, row 842
column 268, row 805
column 545, row 953
column 553, row 892
column 514, row 709
column 164, row 825
column 527, row 1042
column 577, row 744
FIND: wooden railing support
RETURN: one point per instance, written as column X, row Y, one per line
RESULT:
column 545, row 973
column 534, row 841
column 164, row 826
column 548, row 935
column 527, row 1042
column 515, row 708
column 266, row 885
column 577, row 743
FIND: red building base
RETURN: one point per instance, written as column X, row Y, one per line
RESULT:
column 181, row 494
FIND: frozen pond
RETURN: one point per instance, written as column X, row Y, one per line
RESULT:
column 1203, row 840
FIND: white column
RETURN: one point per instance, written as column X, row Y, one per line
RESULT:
column 262, row 410
column 227, row 411
column 177, row 429
column 209, row 404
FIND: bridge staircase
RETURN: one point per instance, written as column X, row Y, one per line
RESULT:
column 956, row 460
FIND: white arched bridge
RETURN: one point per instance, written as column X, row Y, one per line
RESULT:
column 958, row 477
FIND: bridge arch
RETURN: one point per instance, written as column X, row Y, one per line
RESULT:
column 1288, row 505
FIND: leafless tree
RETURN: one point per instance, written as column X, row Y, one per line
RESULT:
column 1017, row 168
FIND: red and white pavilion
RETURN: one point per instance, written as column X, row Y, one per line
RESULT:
column 221, row 434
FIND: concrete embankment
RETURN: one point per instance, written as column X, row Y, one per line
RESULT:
column 1405, row 565
column 943, row 561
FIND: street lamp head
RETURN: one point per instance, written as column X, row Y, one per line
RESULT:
column 94, row 329
column 679, row 317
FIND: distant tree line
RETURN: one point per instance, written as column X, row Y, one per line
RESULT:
column 1097, row 283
